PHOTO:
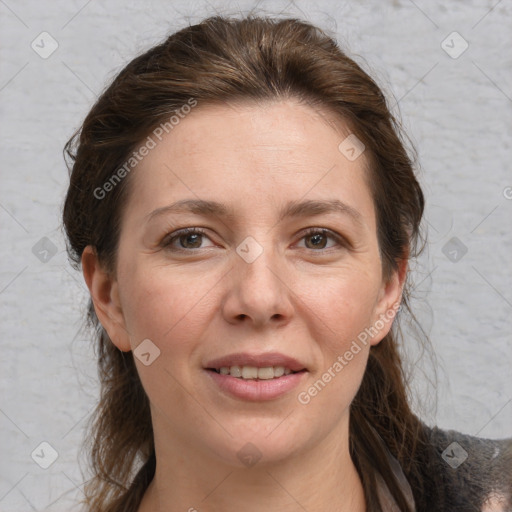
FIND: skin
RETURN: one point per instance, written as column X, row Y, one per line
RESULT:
column 295, row 298
column 495, row 503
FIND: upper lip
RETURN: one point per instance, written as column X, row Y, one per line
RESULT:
column 258, row 360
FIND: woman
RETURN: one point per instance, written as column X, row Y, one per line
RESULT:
column 243, row 210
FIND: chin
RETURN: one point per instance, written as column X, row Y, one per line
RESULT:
column 260, row 443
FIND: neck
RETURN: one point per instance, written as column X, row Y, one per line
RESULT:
column 322, row 478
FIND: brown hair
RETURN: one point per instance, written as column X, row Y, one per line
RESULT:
column 220, row 59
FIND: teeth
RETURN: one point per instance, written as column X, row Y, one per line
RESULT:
column 265, row 373
column 252, row 372
column 236, row 371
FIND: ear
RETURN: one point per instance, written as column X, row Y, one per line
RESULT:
column 388, row 302
column 104, row 292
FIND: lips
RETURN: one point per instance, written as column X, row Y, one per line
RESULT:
column 257, row 360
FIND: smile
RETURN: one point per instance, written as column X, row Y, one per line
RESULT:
column 253, row 372
column 255, row 388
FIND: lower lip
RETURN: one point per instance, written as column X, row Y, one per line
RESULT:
column 256, row 390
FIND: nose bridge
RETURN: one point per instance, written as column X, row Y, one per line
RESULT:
column 258, row 290
column 258, row 263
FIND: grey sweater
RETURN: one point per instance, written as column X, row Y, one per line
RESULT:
column 462, row 473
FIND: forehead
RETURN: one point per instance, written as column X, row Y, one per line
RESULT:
column 251, row 125
column 246, row 149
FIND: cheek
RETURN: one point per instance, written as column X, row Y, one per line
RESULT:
column 345, row 303
column 161, row 305
column 343, row 310
column 164, row 305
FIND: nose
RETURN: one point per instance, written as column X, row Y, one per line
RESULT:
column 258, row 291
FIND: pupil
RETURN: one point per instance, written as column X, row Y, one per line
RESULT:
column 317, row 239
column 188, row 237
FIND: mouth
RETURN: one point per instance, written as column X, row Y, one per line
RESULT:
column 254, row 372
column 263, row 366
column 255, row 384
column 256, row 377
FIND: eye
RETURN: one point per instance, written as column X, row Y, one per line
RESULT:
column 317, row 238
column 187, row 239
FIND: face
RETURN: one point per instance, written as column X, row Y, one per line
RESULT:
column 255, row 274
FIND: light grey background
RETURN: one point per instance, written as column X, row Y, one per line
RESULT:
column 457, row 111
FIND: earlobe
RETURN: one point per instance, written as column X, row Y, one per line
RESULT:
column 105, row 297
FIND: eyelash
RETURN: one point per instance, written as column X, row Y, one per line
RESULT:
column 169, row 239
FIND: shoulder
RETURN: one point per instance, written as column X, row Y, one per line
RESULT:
column 468, row 473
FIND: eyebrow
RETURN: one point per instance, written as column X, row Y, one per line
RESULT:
column 307, row 208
